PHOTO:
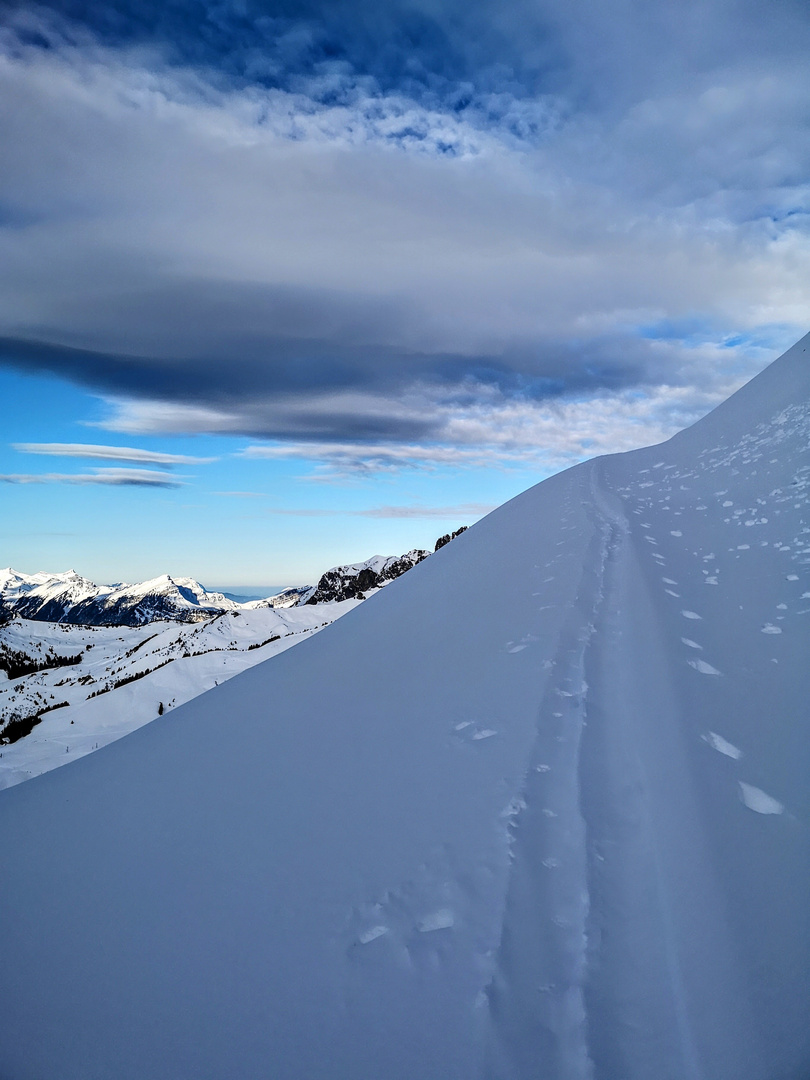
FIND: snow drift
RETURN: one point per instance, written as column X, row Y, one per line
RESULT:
column 538, row 809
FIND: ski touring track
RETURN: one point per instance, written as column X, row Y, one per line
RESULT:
column 610, row 902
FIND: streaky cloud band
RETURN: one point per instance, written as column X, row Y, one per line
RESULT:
column 110, row 453
column 105, row 477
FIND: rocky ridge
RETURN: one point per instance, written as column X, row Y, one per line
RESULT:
column 70, row 598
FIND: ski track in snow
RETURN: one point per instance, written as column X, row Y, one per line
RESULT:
column 551, row 832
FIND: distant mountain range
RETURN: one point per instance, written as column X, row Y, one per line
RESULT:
column 70, row 598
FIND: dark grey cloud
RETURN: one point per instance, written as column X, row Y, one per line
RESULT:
column 350, row 222
column 282, row 388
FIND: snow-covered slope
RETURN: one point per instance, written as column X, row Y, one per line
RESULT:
column 67, row 690
column 554, row 825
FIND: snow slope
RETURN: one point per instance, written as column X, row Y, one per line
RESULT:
column 551, row 826
column 124, row 677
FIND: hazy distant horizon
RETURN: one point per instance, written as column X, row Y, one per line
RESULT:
column 242, row 594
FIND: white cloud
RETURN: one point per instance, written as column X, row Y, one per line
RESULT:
column 135, row 416
column 109, row 453
column 514, row 434
column 246, row 255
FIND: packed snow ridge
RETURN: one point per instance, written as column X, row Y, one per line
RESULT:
column 539, row 810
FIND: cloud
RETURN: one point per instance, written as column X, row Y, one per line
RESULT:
column 106, row 477
column 541, row 436
column 387, row 225
column 109, row 453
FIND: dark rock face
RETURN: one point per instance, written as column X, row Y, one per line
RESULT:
column 352, row 582
column 448, row 537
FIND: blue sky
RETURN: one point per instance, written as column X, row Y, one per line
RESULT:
column 374, row 268
column 220, row 516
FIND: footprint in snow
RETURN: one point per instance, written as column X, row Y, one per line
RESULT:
column 468, row 730
column 758, row 801
column 442, row 919
column 703, row 667
column 717, row 742
column 371, row 934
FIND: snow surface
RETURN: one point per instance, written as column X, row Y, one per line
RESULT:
column 128, row 675
column 323, row 869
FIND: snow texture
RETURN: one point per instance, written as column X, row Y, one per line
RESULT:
column 318, row 870
column 126, row 676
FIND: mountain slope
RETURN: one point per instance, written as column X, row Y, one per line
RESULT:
column 70, row 598
column 72, row 689
column 557, row 827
